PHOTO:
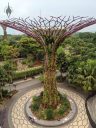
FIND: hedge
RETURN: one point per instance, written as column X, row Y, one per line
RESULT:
column 28, row 73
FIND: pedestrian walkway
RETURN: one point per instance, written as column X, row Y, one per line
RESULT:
column 18, row 118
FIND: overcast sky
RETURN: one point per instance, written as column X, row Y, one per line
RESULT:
column 46, row 8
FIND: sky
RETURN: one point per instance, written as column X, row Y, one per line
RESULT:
column 46, row 8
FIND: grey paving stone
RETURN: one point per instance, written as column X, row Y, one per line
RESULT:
column 80, row 121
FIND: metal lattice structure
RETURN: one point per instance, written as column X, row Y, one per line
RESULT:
column 58, row 27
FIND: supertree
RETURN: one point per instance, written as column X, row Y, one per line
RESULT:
column 50, row 34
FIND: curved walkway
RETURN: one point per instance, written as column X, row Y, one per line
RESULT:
column 17, row 117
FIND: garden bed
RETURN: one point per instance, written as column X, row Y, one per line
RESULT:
column 64, row 112
column 50, row 113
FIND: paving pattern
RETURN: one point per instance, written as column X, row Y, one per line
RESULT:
column 19, row 119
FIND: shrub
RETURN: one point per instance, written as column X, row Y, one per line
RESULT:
column 49, row 114
column 35, row 107
column 36, row 99
column 42, row 115
column 83, row 75
column 30, row 64
column 24, row 61
column 63, row 97
column 41, row 78
column 65, row 104
column 28, row 73
column 5, row 93
column 62, row 109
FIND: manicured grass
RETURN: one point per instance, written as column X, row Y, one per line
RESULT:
column 30, row 72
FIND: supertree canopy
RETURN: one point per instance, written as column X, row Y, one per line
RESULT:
column 58, row 27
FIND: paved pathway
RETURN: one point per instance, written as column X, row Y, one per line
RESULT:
column 23, row 87
column 18, row 118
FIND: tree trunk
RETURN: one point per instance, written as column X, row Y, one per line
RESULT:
column 50, row 95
